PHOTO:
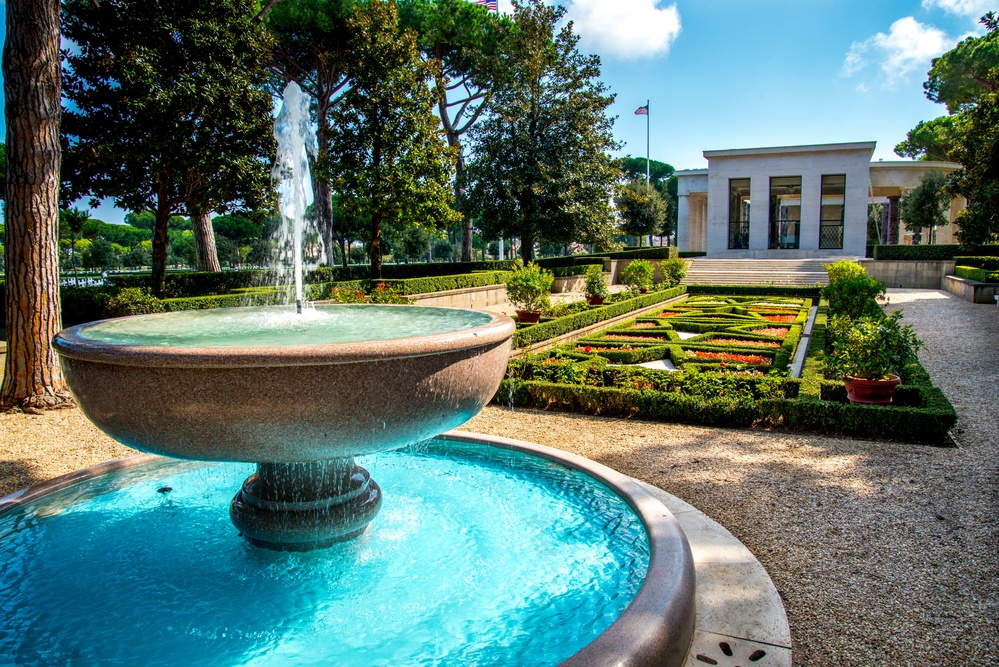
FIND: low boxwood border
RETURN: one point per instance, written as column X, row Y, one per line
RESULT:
column 799, row 291
column 975, row 273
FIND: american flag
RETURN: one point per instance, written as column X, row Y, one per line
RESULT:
column 642, row 111
column 491, row 5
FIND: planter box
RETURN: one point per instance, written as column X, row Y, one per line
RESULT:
column 971, row 290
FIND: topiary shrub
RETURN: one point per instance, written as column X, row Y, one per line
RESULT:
column 596, row 286
column 673, row 270
column 638, row 275
column 851, row 291
column 527, row 288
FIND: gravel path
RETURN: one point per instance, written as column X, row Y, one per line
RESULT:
column 884, row 553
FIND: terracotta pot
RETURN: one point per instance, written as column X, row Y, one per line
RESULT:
column 529, row 316
column 878, row 392
column 643, row 290
column 595, row 300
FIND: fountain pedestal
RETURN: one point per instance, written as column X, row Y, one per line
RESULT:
column 304, row 506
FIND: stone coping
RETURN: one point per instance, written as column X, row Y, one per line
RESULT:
column 70, row 343
column 738, row 615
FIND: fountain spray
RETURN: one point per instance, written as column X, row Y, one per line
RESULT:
column 296, row 142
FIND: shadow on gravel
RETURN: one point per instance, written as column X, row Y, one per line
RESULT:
column 17, row 475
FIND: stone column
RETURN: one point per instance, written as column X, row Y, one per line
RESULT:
column 683, row 222
column 704, row 225
column 893, row 220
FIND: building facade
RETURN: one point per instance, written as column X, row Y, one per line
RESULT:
column 791, row 201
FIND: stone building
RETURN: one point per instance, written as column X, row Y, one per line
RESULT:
column 796, row 201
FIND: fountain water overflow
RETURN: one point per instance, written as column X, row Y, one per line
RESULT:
column 300, row 395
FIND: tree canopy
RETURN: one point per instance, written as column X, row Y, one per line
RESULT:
column 166, row 107
column 541, row 167
column 387, row 159
column 926, row 205
column 659, row 172
column 642, row 208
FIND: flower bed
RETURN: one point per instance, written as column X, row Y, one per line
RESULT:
column 776, row 332
column 730, row 356
column 779, row 318
column 742, row 341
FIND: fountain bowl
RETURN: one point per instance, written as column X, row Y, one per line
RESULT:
column 285, row 403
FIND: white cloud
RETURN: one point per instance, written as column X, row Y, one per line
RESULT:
column 972, row 8
column 628, row 29
column 908, row 46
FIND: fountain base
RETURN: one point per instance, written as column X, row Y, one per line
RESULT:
column 305, row 506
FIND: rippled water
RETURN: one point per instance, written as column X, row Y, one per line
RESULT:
column 480, row 556
column 281, row 325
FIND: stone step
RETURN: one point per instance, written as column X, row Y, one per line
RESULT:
column 756, row 272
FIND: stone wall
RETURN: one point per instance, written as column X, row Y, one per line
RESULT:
column 912, row 274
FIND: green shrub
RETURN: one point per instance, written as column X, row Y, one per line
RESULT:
column 573, row 269
column 974, row 273
column 844, row 269
column 133, row 301
column 692, row 253
column 673, row 270
column 796, row 291
column 441, row 283
column 987, row 263
column 638, row 274
column 854, row 296
column 931, row 252
column 871, row 348
column 527, row 288
column 596, row 285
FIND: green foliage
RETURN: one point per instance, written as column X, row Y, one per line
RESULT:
column 926, row 205
column 638, row 274
column 571, row 270
column 851, row 291
column 930, row 140
column 974, row 273
column 596, row 284
column 961, row 77
column 930, row 252
column 871, row 347
column 527, row 288
column 165, row 107
column 986, row 262
column 541, row 168
column 659, row 172
column 555, row 328
column 673, row 271
column 133, row 301
column 444, row 283
column 642, row 208
column 195, row 284
column 387, row 158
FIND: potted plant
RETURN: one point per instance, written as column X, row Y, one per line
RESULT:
column 527, row 289
column 596, row 286
column 870, row 353
column 638, row 275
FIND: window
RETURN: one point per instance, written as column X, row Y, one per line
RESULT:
column 833, row 207
column 738, row 213
column 785, row 212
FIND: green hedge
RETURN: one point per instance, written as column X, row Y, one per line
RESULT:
column 931, row 252
column 442, row 283
column 195, row 283
column 988, row 263
column 327, row 274
column 573, row 270
column 799, row 291
column 262, row 297
column 563, row 325
column 691, row 253
column 973, row 273
column 928, row 422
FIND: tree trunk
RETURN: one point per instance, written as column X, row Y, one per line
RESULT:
column 527, row 248
column 204, row 239
column 32, row 87
column 322, row 196
column 375, row 247
column 161, row 245
column 343, row 251
column 467, row 230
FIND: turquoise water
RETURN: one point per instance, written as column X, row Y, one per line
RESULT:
column 281, row 325
column 480, row 556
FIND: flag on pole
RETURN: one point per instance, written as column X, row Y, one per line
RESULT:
column 491, row 5
column 642, row 111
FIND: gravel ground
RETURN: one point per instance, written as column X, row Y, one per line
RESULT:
column 883, row 553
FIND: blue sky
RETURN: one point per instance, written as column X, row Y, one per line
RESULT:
column 748, row 73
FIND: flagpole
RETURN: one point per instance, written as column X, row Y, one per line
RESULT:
column 648, row 160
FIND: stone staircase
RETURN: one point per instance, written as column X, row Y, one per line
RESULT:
column 705, row 270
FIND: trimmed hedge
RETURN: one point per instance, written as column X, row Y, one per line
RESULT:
column 441, row 283
column 195, row 283
column 973, row 273
column 692, row 253
column 799, row 291
column 262, row 297
column 572, row 270
column 325, row 274
column 987, row 263
column 563, row 325
column 931, row 252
